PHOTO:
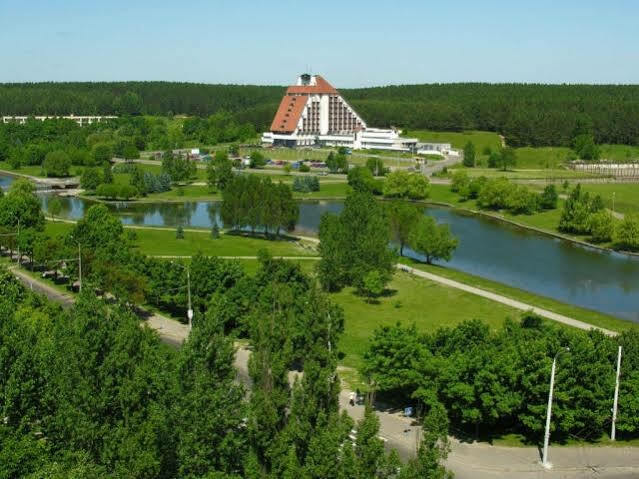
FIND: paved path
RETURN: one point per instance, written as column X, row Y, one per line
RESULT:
column 505, row 300
column 468, row 461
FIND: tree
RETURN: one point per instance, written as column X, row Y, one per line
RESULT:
column 432, row 240
column 336, row 163
column 354, row 243
column 584, row 146
column 469, row 154
column 257, row 159
column 549, row 198
column 215, row 231
column 361, row 179
column 107, row 174
column 21, row 206
column 287, row 168
column 102, row 153
column 376, row 166
column 373, row 285
column 57, row 163
column 179, row 232
column 402, row 184
column 403, row 217
column 54, row 205
column 90, row 179
column 507, row 159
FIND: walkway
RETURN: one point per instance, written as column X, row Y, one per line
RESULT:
column 467, row 460
column 504, row 300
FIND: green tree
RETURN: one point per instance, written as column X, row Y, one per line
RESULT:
column 90, row 179
column 102, row 153
column 376, row 166
column 361, row 179
column 337, row 163
column 469, row 154
column 57, row 163
column 402, row 184
column 354, row 243
column 549, row 198
column 507, row 159
column 373, row 285
column 403, row 217
column 432, row 240
column 179, row 232
column 54, row 205
column 107, row 174
column 257, row 159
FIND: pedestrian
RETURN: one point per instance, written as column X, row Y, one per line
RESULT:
column 351, row 399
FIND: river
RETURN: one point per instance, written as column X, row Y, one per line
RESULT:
column 574, row 274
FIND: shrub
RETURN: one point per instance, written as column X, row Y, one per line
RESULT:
column 107, row 190
column 522, row 201
column 304, row 168
column 627, row 233
column 179, row 233
column 91, row 178
column 460, row 181
column 495, row 194
column 401, row 184
column 602, row 227
column 126, row 192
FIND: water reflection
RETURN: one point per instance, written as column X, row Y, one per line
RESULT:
column 603, row 281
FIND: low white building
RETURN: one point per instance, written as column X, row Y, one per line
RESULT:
column 80, row 120
column 313, row 113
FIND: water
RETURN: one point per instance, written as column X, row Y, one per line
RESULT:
column 603, row 281
column 5, row 181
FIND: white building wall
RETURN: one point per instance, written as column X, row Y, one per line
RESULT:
column 323, row 114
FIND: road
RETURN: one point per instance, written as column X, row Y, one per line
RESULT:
column 467, row 460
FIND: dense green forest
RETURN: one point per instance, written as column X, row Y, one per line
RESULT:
column 526, row 114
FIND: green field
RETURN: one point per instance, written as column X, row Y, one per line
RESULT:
column 411, row 300
column 481, row 139
column 162, row 242
column 586, row 315
column 551, row 174
column 626, row 195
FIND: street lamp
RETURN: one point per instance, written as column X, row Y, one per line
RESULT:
column 189, row 311
column 544, row 461
column 614, row 402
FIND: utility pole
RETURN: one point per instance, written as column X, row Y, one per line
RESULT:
column 544, row 460
column 189, row 312
column 614, row 402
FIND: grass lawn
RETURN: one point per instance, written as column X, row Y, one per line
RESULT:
column 481, row 139
column 592, row 317
column 156, row 241
column 528, row 174
column 412, row 300
column 36, row 170
column 626, row 195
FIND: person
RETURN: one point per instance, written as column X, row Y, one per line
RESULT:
column 352, row 399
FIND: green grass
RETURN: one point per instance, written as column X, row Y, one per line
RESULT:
column 427, row 304
column 620, row 153
column 528, row 174
column 156, row 241
column 626, row 195
column 481, row 139
column 586, row 315
column 36, row 170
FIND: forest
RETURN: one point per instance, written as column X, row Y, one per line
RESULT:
column 526, row 114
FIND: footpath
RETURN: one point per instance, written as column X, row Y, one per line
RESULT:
column 467, row 460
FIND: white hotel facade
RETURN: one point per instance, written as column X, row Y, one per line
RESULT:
column 313, row 113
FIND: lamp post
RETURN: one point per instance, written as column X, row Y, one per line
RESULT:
column 189, row 311
column 614, row 402
column 544, row 460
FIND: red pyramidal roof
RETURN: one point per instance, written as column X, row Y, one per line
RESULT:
column 292, row 105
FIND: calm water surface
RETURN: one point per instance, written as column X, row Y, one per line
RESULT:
column 603, row 281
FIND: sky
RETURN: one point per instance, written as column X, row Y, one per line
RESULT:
column 352, row 43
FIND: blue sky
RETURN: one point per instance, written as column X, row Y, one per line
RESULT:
column 351, row 42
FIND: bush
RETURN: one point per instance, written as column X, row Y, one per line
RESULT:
column 602, row 227
column 126, row 192
column 522, row 201
column 495, row 194
column 306, row 184
column 304, row 168
column 125, row 168
column 460, row 181
column 257, row 160
column 57, row 163
column 179, row 233
column 627, row 237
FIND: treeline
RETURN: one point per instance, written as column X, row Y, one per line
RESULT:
column 496, row 382
column 526, row 114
